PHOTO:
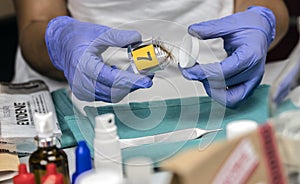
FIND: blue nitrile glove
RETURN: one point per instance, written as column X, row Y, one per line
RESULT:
column 75, row 48
column 247, row 36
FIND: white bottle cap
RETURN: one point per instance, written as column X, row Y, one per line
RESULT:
column 240, row 127
column 189, row 51
column 106, row 141
column 105, row 128
column 44, row 124
column 105, row 121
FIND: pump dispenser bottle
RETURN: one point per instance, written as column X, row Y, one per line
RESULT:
column 107, row 154
column 107, row 150
column 47, row 152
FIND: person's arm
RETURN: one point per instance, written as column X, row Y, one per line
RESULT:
column 33, row 17
column 278, row 8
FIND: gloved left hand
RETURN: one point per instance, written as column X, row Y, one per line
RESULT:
column 76, row 47
column 247, row 36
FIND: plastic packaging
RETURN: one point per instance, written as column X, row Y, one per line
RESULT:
column 149, row 56
column 24, row 177
column 287, row 129
column 47, row 151
column 107, row 150
column 83, row 160
column 18, row 102
column 52, row 176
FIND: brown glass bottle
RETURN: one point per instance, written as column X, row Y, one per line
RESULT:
column 48, row 152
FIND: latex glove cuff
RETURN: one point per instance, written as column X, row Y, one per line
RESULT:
column 268, row 29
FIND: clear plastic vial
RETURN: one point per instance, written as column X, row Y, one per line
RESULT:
column 149, row 56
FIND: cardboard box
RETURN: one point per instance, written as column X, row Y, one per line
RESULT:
column 251, row 158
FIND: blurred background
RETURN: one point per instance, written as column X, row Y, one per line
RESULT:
column 9, row 38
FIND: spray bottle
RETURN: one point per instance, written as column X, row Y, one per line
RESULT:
column 107, row 154
column 107, row 150
column 47, row 151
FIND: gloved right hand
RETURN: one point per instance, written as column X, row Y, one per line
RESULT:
column 247, row 36
column 75, row 48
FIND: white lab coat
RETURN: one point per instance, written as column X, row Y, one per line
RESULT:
column 167, row 19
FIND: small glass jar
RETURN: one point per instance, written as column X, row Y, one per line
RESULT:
column 149, row 56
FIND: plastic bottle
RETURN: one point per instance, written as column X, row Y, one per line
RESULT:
column 52, row 176
column 24, row 177
column 47, row 151
column 96, row 177
column 107, row 150
column 139, row 170
column 107, row 154
column 83, row 160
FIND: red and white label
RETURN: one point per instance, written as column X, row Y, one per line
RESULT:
column 239, row 166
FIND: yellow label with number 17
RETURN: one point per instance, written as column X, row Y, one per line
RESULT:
column 145, row 57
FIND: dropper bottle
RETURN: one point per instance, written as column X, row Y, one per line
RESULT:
column 47, row 151
column 83, row 160
column 23, row 177
column 52, row 177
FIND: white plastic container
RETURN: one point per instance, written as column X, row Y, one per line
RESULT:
column 240, row 127
column 107, row 150
column 138, row 170
column 96, row 177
